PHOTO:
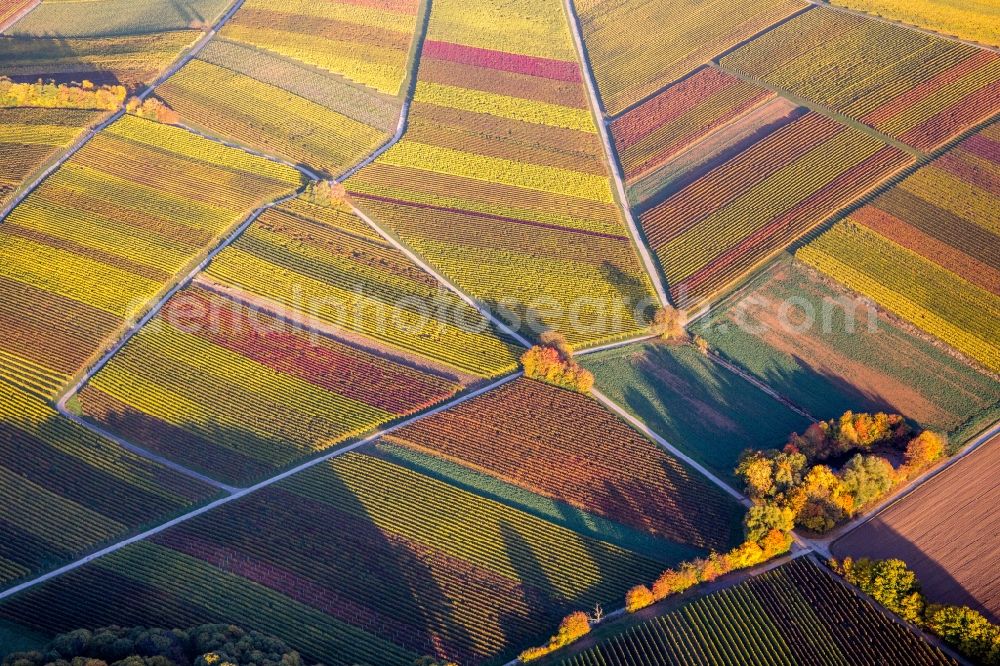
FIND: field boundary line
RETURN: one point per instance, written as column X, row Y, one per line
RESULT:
column 615, row 345
column 824, row 110
column 215, row 138
column 67, row 392
column 411, row 86
column 807, row 544
column 668, row 605
column 24, row 11
column 243, row 492
column 145, row 453
column 182, row 60
column 597, row 112
column 903, row 24
column 888, row 614
column 670, row 448
column 743, row 374
column 412, row 256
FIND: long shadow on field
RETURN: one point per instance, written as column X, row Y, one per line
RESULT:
column 880, row 541
column 630, row 289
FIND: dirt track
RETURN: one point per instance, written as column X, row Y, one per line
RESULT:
column 947, row 531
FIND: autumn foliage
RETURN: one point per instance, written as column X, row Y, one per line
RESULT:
column 573, row 627
column 668, row 324
column 894, row 586
column 551, row 361
column 153, row 109
column 851, row 432
column 329, row 193
column 60, row 96
column 793, row 485
column 707, row 569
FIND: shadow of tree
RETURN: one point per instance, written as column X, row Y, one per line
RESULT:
column 879, row 540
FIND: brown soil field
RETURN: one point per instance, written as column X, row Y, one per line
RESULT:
column 947, row 531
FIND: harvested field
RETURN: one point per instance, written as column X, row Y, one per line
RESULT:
column 828, row 368
column 946, row 531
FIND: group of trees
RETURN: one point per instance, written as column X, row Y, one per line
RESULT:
column 551, row 361
column 750, row 553
column 205, row 645
column 152, row 109
column 894, row 586
column 851, row 432
column 792, row 487
column 61, row 96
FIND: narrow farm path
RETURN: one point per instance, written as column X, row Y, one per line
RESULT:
column 670, row 448
column 620, row 619
column 184, row 281
column 823, row 110
column 408, row 88
column 20, row 14
column 91, row 133
column 252, row 489
column 415, row 258
column 597, row 111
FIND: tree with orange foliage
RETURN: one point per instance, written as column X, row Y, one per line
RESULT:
column 851, row 432
column 923, row 450
column 153, row 109
column 573, row 627
column 668, row 324
column 329, row 193
column 551, row 361
column 637, row 598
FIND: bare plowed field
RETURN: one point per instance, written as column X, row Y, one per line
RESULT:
column 946, row 531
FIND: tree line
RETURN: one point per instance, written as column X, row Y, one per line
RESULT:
column 895, row 586
column 802, row 485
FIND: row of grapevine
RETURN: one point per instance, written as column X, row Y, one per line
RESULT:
column 268, row 118
column 31, row 137
column 103, row 18
column 325, row 263
column 130, row 60
column 916, row 289
column 107, row 232
column 326, row 89
column 712, row 232
column 223, row 388
column 580, row 454
column 11, row 9
column 947, row 211
column 796, row 614
column 355, row 560
column 500, row 182
column 649, row 135
column 920, row 89
column 980, row 23
column 368, row 43
column 636, row 47
column 63, row 490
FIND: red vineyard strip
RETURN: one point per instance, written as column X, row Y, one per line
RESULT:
column 560, row 70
